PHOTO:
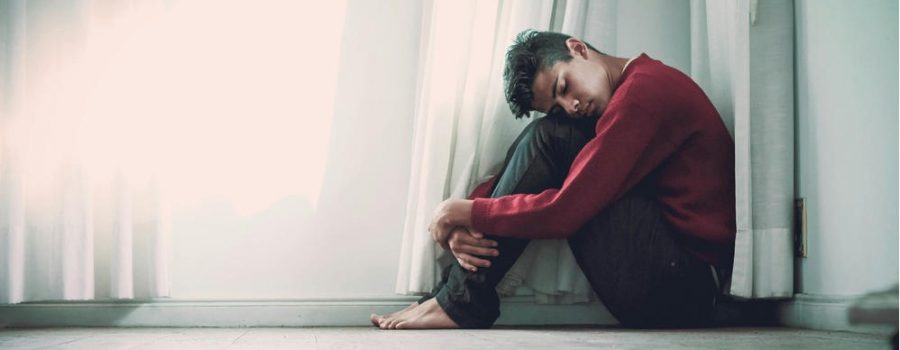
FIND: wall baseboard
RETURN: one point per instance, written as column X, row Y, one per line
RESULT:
column 821, row 312
column 827, row 312
column 267, row 313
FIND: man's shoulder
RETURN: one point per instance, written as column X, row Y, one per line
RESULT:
column 653, row 79
column 646, row 84
column 654, row 86
column 649, row 71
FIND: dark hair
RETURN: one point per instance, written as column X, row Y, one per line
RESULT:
column 530, row 52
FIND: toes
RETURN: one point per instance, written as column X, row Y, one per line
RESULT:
column 387, row 322
column 392, row 324
column 394, row 320
column 383, row 324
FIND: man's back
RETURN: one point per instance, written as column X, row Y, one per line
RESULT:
column 692, row 176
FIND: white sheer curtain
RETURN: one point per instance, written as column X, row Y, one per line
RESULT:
column 738, row 51
column 742, row 56
column 463, row 128
column 68, row 231
column 115, row 114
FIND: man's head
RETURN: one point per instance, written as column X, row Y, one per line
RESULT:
column 555, row 73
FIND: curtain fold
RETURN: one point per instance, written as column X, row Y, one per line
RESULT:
column 66, row 233
column 742, row 56
column 767, row 159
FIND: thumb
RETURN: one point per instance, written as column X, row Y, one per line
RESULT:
column 476, row 234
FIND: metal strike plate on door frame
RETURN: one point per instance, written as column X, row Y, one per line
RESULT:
column 800, row 246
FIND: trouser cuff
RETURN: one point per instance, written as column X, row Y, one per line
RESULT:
column 458, row 314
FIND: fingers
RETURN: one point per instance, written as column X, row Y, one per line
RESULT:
column 465, row 265
column 482, row 242
column 467, row 249
column 470, row 239
column 472, row 245
column 475, row 250
column 470, row 262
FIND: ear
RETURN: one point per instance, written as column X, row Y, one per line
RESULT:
column 577, row 48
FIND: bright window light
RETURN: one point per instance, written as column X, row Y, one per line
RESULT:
column 211, row 99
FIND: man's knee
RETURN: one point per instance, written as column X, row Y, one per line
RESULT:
column 540, row 133
column 559, row 137
column 557, row 128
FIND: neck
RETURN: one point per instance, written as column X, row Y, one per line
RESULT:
column 614, row 67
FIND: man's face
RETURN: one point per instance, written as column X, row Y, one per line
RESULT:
column 580, row 87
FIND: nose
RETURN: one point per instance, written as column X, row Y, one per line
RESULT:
column 572, row 106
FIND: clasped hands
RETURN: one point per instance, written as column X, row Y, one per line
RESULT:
column 451, row 228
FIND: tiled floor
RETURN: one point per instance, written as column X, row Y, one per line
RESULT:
column 372, row 338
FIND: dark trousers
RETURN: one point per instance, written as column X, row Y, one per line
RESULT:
column 627, row 251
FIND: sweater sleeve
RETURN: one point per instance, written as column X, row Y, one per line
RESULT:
column 633, row 137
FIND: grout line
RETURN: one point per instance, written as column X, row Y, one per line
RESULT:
column 238, row 338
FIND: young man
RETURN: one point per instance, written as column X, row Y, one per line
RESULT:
column 632, row 164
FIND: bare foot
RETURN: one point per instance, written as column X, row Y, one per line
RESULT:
column 428, row 315
column 376, row 319
column 388, row 321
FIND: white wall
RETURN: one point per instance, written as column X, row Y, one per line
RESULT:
column 346, row 246
column 627, row 28
column 661, row 29
column 847, row 121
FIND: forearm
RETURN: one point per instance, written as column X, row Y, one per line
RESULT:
column 457, row 212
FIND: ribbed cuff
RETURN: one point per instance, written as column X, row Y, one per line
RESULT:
column 480, row 211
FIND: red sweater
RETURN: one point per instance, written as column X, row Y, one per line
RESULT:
column 659, row 129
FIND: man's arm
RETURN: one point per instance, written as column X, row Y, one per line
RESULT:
column 626, row 149
column 634, row 137
column 464, row 243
